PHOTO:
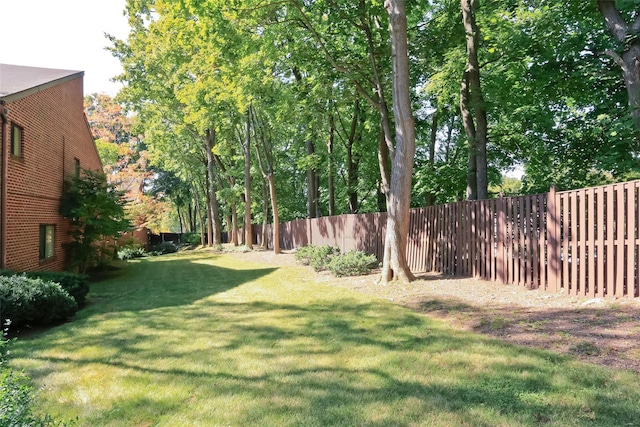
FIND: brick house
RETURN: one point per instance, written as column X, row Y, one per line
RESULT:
column 45, row 139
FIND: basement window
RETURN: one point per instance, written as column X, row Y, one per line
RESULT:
column 47, row 239
column 16, row 140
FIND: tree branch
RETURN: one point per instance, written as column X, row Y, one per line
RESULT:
column 616, row 58
column 635, row 27
column 614, row 21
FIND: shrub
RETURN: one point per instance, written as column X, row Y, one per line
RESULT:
column 34, row 301
column 317, row 257
column 164, row 248
column 77, row 285
column 192, row 239
column 303, row 254
column 130, row 253
column 16, row 394
column 352, row 263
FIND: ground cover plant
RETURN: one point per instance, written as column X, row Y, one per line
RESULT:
column 197, row 338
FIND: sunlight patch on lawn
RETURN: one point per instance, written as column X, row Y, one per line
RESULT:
column 196, row 340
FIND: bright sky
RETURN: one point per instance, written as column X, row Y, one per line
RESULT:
column 64, row 34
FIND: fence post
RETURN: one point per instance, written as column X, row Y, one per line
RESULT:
column 553, row 235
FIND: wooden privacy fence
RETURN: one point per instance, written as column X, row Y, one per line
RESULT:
column 584, row 242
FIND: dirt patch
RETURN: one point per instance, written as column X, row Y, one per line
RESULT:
column 597, row 330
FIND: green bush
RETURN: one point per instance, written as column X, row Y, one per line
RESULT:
column 77, row 285
column 34, row 301
column 130, row 253
column 317, row 257
column 16, row 394
column 303, row 254
column 164, row 248
column 352, row 263
column 192, row 239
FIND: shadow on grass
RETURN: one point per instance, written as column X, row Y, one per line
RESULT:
column 163, row 337
column 388, row 366
column 166, row 281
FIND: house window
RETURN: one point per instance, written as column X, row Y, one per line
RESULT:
column 16, row 140
column 76, row 171
column 47, row 239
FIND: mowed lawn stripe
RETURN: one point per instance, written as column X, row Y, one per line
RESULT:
column 206, row 339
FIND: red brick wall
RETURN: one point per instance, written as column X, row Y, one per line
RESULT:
column 55, row 133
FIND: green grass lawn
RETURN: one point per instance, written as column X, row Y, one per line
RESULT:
column 203, row 339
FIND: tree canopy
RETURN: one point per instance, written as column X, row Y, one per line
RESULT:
column 276, row 110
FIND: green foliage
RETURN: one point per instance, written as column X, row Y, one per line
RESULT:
column 192, row 239
column 32, row 301
column 77, row 285
column 96, row 212
column 127, row 253
column 108, row 151
column 16, row 398
column 317, row 257
column 164, row 248
column 352, row 263
column 303, row 254
column 16, row 394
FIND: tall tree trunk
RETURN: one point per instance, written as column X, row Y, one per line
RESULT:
column 248, row 232
column 627, row 35
column 233, row 232
column 312, row 181
column 274, row 211
column 196, row 199
column 472, row 31
column 430, row 198
column 330, row 167
column 265, row 162
column 234, row 224
column 384, row 163
column 352, row 181
column 192, row 218
column 470, row 131
column 179, row 217
column 265, row 222
column 209, row 220
column 210, row 139
column 395, row 264
column 353, row 160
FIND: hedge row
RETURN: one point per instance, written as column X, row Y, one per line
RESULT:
column 41, row 298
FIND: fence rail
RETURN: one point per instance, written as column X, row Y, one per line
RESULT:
column 584, row 242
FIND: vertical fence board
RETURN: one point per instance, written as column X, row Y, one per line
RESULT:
column 601, row 250
column 528, row 219
column 590, row 242
column 620, row 235
column 572, row 252
column 535, row 255
column 492, row 240
column 500, row 231
column 553, row 246
column 564, row 241
column 610, row 230
column 486, row 240
column 582, row 262
column 518, row 222
column 631, row 238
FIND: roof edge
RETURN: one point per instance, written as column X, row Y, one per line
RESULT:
column 23, row 94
